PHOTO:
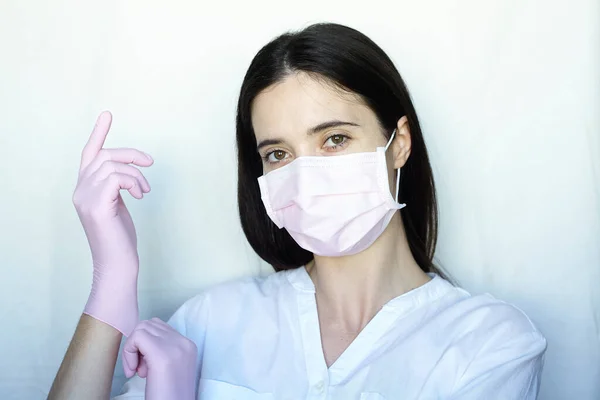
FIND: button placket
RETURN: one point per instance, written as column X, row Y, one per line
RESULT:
column 316, row 368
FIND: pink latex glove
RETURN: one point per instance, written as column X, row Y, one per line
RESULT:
column 109, row 227
column 164, row 357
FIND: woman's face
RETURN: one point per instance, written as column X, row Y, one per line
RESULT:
column 301, row 116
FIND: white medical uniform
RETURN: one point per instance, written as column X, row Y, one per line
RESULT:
column 259, row 338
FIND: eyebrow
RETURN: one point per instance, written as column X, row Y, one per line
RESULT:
column 311, row 131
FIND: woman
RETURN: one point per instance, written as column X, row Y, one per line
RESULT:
column 329, row 150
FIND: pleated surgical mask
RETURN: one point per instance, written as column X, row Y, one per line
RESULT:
column 332, row 206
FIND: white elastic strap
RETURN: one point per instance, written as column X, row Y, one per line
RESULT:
column 398, row 170
column 391, row 140
column 397, row 183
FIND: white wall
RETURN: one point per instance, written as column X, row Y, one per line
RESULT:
column 509, row 96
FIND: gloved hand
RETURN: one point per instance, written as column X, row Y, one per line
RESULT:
column 109, row 227
column 164, row 357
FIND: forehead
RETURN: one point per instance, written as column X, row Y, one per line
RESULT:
column 301, row 101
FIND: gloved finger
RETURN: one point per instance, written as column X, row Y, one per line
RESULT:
column 122, row 155
column 96, row 139
column 116, row 181
column 142, row 369
column 139, row 344
column 130, row 356
column 109, row 167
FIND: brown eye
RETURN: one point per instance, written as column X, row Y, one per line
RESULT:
column 337, row 139
column 276, row 156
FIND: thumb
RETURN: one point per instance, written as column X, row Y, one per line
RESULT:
column 130, row 363
column 142, row 369
column 131, row 353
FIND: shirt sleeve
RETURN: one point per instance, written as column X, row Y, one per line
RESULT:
column 506, row 370
column 189, row 320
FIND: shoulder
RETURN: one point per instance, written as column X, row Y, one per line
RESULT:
column 500, row 351
column 494, row 317
column 241, row 293
column 248, row 288
column 225, row 307
column 484, row 324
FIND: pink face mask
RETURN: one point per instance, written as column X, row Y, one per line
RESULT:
column 332, row 206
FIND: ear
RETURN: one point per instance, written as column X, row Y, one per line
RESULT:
column 401, row 145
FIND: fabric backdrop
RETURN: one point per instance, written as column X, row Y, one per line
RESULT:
column 508, row 93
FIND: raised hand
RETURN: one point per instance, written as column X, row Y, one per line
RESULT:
column 108, row 225
column 164, row 357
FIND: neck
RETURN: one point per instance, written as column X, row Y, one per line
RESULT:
column 352, row 289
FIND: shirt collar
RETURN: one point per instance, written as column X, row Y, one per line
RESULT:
column 436, row 288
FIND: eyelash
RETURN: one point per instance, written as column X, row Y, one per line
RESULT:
column 329, row 148
column 335, row 146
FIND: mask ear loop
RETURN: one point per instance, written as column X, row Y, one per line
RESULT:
column 397, row 183
column 391, row 140
column 398, row 169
